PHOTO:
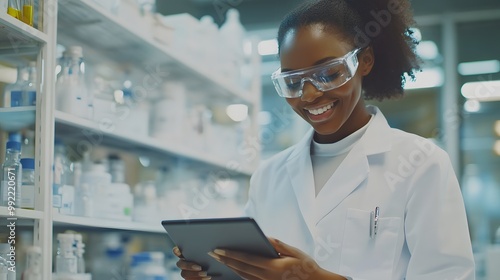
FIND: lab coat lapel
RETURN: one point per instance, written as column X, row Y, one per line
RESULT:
column 299, row 169
column 348, row 176
column 355, row 167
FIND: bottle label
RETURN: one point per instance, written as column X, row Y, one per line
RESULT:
column 56, row 196
column 28, row 196
column 16, row 98
column 29, row 98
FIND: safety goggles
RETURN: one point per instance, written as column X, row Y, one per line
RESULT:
column 326, row 76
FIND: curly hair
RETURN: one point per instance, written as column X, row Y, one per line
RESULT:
column 382, row 24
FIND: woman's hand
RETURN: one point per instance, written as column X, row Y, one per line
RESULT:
column 293, row 264
column 190, row 271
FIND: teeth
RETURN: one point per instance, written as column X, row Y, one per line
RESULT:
column 320, row 111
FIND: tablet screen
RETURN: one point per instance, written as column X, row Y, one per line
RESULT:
column 195, row 238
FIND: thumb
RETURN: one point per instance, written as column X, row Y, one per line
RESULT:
column 285, row 249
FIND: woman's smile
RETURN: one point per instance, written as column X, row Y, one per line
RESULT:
column 321, row 113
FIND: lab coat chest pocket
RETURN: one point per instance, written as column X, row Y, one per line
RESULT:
column 365, row 257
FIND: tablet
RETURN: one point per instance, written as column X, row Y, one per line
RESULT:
column 195, row 238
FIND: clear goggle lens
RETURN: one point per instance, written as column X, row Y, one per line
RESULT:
column 326, row 76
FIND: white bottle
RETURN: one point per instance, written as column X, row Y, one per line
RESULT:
column 66, row 261
column 148, row 266
column 79, row 251
column 169, row 113
column 93, row 190
column 28, row 183
column 33, row 269
column 12, row 95
column 232, row 36
column 29, row 90
column 71, row 90
column 209, row 39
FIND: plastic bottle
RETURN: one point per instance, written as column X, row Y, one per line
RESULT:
column 33, row 269
column 148, row 266
column 4, row 254
column 109, row 262
column 12, row 176
column 28, row 144
column 71, row 90
column 93, row 183
column 27, row 14
column 66, row 261
column 232, row 35
column 29, row 89
column 79, row 250
column 12, row 95
column 14, row 9
column 61, row 170
column 116, row 169
column 28, row 183
column 209, row 37
column 15, row 137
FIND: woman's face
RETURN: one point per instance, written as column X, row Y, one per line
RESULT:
column 345, row 109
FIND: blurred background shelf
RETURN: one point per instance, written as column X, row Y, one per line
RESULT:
column 93, row 223
column 21, row 213
column 16, row 33
column 86, row 23
column 76, row 129
column 17, row 118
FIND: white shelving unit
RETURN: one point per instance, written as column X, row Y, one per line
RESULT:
column 93, row 223
column 21, row 213
column 16, row 118
column 72, row 125
column 103, row 35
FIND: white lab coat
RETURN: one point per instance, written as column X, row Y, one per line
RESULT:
column 422, row 230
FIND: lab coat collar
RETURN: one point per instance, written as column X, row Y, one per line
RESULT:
column 375, row 140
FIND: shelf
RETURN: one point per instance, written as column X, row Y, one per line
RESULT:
column 19, row 42
column 93, row 223
column 21, row 213
column 78, row 129
column 17, row 118
column 85, row 22
column 16, row 32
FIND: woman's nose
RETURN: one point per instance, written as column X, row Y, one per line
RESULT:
column 310, row 92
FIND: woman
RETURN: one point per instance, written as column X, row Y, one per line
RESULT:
column 354, row 199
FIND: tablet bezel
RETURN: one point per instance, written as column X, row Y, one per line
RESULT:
column 182, row 234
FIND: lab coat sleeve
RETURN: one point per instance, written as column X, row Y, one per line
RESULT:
column 436, row 228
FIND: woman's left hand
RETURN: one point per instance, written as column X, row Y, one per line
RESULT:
column 292, row 264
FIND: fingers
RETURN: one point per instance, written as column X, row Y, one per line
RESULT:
column 177, row 252
column 185, row 265
column 192, row 271
column 201, row 275
column 239, row 265
column 285, row 249
column 241, row 257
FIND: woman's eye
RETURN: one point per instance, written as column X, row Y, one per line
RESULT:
column 294, row 84
column 329, row 77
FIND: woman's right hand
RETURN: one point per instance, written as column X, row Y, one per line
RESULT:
column 190, row 271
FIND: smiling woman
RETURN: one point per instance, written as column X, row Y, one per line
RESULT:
column 355, row 198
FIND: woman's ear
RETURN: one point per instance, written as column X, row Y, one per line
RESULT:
column 366, row 61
